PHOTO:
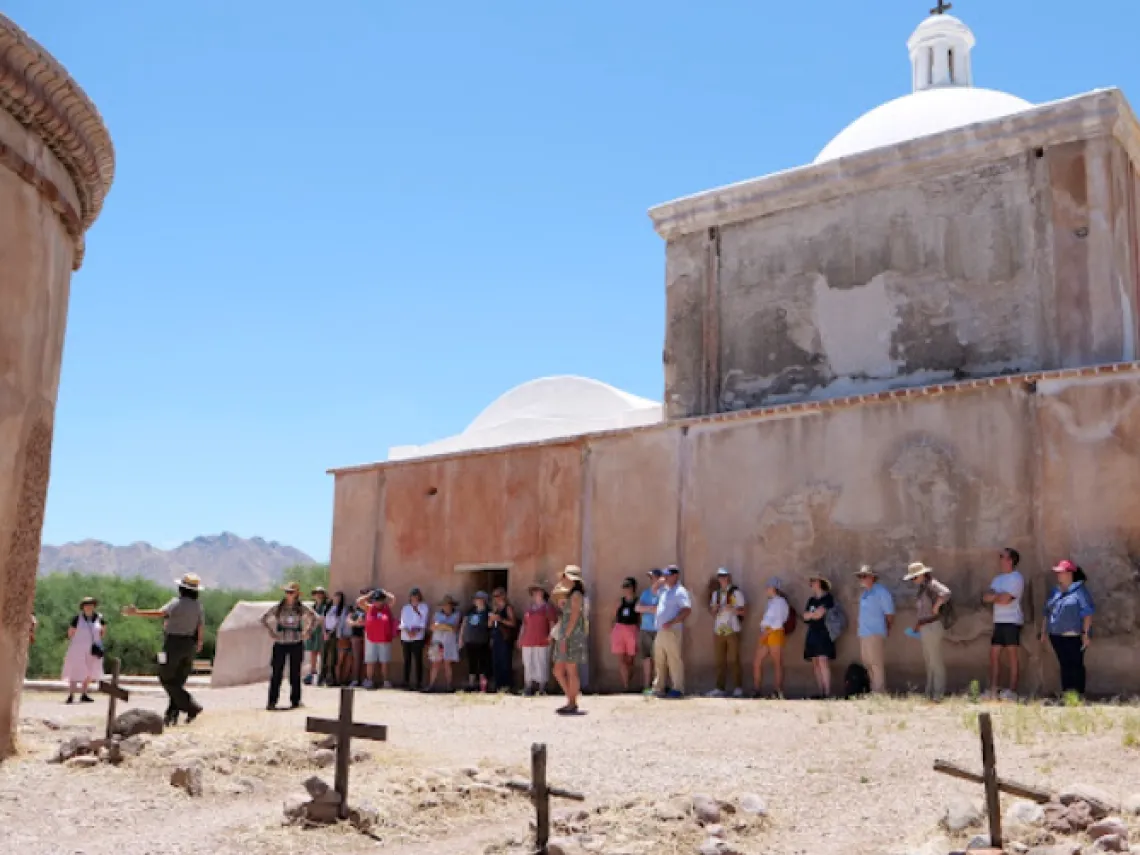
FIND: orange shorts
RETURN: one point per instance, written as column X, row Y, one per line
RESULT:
column 772, row 638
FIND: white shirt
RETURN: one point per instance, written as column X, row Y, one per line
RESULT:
column 776, row 614
column 413, row 617
column 1014, row 584
column 332, row 618
column 727, row 620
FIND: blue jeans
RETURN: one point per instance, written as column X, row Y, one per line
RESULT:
column 502, row 656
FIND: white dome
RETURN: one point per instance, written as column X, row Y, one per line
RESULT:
column 920, row 114
column 547, row 408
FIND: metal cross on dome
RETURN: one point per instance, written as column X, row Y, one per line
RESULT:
column 942, row 8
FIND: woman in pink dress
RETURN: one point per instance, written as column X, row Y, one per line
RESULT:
column 83, row 664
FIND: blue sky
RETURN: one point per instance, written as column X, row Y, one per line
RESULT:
column 336, row 229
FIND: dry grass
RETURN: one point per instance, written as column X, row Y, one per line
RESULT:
column 850, row 777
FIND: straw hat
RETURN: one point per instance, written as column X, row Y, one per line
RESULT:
column 291, row 588
column 191, row 582
column 866, row 570
column 88, row 601
column 573, row 572
column 915, row 570
column 824, row 582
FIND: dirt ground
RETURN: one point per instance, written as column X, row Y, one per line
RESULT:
column 837, row 777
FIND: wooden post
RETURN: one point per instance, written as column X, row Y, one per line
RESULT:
column 114, row 693
column 541, row 796
column 343, row 751
column 990, row 779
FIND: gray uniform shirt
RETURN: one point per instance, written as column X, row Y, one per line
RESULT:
column 183, row 616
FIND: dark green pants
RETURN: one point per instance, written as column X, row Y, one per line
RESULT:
column 180, row 652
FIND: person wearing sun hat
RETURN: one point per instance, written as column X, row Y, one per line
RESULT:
column 673, row 608
column 570, row 637
column 538, row 620
column 83, row 663
column 876, row 616
column 184, row 635
column 475, row 642
column 932, row 598
column 1067, row 624
column 289, row 624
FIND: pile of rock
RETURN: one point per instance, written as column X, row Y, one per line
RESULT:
column 322, row 807
column 714, row 826
column 86, row 752
column 1082, row 820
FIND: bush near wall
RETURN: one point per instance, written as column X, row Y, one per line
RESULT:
column 133, row 640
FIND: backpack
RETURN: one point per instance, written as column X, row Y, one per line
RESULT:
column 856, row 681
column 790, row 623
column 835, row 621
column 947, row 613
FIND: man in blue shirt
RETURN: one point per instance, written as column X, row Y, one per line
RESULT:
column 876, row 614
column 673, row 609
column 647, row 634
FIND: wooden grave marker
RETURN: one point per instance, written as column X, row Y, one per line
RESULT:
column 540, row 793
column 114, row 693
column 990, row 780
column 344, row 729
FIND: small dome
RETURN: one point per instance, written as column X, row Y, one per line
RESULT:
column 547, row 408
column 920, row 114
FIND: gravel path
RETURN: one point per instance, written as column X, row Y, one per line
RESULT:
column 850, row 777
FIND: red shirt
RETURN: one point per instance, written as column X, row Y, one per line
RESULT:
column 537, row 623
column 378, row 625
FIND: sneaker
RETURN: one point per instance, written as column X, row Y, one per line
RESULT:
column 715, row 693
column 674, row 695
column 1007, row 695
column 193, row 714
column 649, row 693
column 738, row 692
column 355, row 684
column 70, row 699
column 368, row 685
column 308, row 681
column 87, row 699
column 387, row 684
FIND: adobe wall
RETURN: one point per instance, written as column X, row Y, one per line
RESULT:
column 415, row 523
column 1001, row 248
column 55, row 167
column 948, row 476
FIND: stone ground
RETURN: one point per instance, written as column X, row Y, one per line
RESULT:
column 837, row 777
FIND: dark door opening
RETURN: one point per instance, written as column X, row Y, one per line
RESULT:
column 484, row 578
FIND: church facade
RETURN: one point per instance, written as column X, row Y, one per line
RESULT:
column 922, row 346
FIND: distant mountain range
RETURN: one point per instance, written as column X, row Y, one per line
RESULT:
column 223, row 560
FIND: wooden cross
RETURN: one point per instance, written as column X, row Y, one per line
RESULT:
column 114, row 693
column 540, row 793
column 942, row 8
column 989, row 778
column 344, row 729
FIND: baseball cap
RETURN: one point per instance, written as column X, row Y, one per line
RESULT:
column 1065, row 566
column 671, row 570
column 656, row 573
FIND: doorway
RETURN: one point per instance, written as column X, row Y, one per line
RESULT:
column 481, row 577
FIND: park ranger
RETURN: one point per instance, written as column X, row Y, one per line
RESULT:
column 184, row 634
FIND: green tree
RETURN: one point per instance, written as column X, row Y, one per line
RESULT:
column 133, row 640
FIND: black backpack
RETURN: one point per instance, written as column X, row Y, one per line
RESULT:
column 856, row 682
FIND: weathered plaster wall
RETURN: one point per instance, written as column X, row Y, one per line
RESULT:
column 1010, row 246
column 948, row 477
column 35, row 273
